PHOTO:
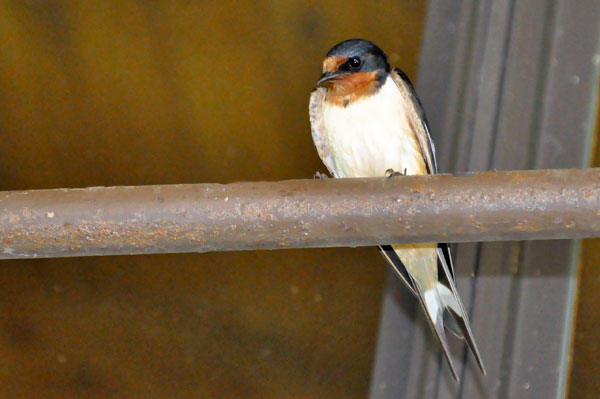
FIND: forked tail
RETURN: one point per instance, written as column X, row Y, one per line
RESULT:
column 444, row 297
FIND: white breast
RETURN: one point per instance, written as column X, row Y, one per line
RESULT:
column 372, row 135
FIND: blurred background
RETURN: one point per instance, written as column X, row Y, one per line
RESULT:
column 158, row 92
column 97, row 93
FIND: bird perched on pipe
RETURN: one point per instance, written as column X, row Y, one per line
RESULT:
column 367, row 121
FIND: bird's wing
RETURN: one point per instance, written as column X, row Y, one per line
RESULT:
column 416, row 117
column 420, row 127
column 444, row 296
column 317, row 127
column 390, row 254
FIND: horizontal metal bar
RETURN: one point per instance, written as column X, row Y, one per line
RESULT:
column 489, row 206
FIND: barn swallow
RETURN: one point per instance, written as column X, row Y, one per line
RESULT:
column 367, row 121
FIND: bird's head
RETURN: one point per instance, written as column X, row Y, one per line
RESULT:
column 354, row 66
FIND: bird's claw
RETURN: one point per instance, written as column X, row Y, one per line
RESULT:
column 321, row 176
column 390, row 173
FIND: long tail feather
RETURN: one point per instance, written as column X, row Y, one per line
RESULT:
column 430, row 277
column 434, row 312
column 448, row 291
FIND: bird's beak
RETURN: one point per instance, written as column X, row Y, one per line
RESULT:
column 328, row 76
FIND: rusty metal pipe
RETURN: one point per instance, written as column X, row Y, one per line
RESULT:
column 489, row 206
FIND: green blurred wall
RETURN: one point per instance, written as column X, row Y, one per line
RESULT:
column 156, row 92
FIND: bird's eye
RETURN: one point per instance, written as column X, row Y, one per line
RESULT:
column 354, row 62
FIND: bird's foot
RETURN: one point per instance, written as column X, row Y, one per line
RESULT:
column 320, row 176
column 390, row 173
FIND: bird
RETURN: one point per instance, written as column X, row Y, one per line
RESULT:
column 367, row 121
